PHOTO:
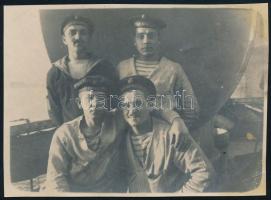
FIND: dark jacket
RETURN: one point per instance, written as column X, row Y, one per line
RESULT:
column 61, row 94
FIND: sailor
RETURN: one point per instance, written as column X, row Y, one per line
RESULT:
column 153, row 163
column 168, row 77
column 85, row 153
column 76, row 32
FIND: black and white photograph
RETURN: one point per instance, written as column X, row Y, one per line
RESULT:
column 135, row 100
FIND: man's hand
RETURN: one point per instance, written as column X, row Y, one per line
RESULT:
column 178, row 128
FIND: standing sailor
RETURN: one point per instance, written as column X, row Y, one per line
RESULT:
column 168, row 77
column 76, row 33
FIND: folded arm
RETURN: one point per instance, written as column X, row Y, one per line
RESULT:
column 190, row 159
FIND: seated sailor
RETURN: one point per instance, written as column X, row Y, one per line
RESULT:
column 153, row 163
column 85, row 153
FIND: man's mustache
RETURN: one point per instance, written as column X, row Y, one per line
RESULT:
column 77, row 42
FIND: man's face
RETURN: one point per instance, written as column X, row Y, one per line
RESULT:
column 76, row 38
column 93, row 104
column 147, row 41
column 134, row 108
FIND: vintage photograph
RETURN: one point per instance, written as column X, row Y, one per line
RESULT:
column 135, row 100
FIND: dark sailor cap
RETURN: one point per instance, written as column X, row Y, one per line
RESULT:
column 137, row 83
column 146, row 21
column 76, row 20
column 97, row 83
